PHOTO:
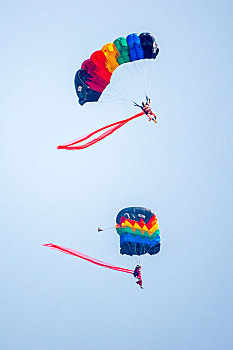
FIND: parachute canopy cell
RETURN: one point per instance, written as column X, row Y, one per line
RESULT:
column 84, row 92
column 135, row 49
column 95, row 73
column 123, row 50
column 149, row 45
column 138, row 230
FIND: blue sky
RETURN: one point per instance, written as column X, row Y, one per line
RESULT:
column 181, row 168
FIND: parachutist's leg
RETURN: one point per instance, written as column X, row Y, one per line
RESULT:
column 154, row 117
column 148, row 115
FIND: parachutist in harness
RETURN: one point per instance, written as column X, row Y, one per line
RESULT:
column 137, row 274
column 136, row 270
column 145, row 107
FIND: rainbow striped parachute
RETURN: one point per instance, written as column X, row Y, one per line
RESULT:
column 95, row 73
column 138, row 230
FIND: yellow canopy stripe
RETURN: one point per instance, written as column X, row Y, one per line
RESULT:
column 143, row 229
column 111, row 54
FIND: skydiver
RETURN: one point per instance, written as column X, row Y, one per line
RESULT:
column 136, row 270
column 138, row 275
column 145, row 107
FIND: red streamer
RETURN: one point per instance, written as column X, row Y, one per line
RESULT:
column 113, row 127
column 87, row 258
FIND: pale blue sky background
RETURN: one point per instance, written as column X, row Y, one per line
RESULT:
column 181, row 168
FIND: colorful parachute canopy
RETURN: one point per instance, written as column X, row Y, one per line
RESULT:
column 95, row 73
column 138, row 230
column 87, row 258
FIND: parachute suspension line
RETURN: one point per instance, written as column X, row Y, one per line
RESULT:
column 139, row 70
column 111, row 97
column 112, row 100
column 115, row 92
column 133, row 73
column 118, row 88
column 133, row 254
column 114, row 95
column 142, row 69
column 149, row 76
column 125, row 94
column 146, row 72
column 109, row 228
column 136, row 66
column 146, row 80
column 136, row 256
column 119, row 91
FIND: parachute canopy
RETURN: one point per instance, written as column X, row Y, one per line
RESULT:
column 95, row 73
column 138, row 230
